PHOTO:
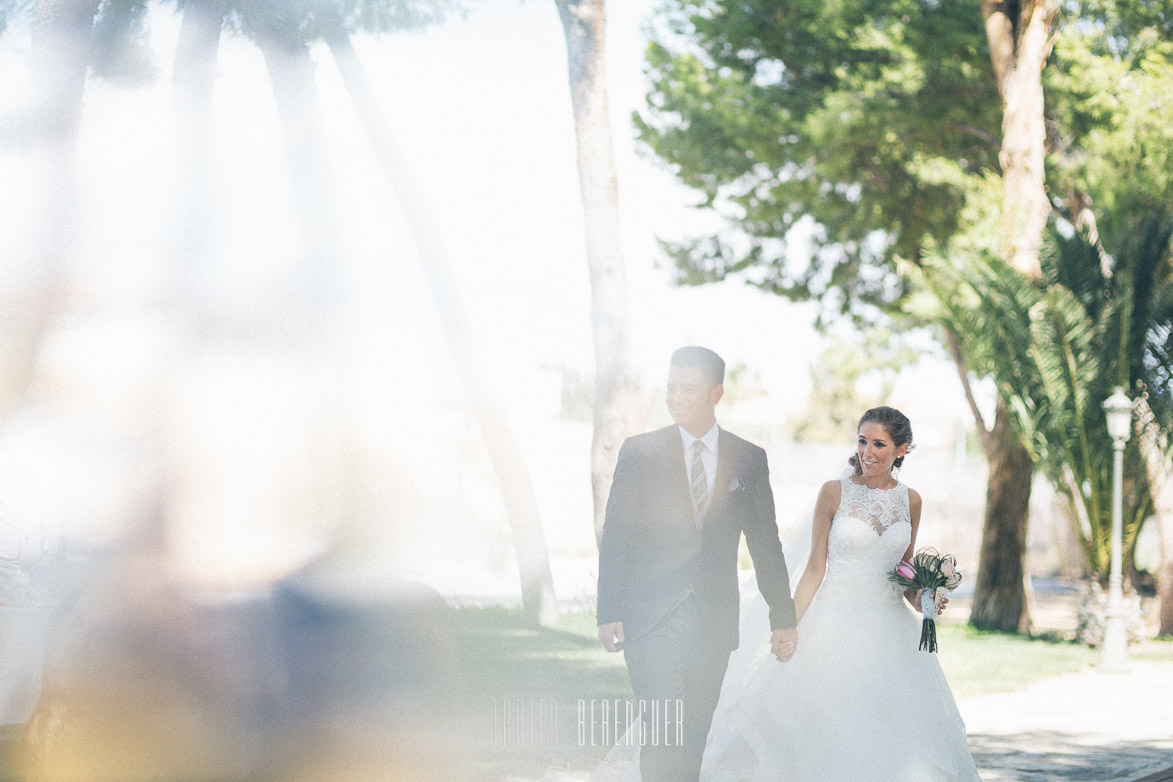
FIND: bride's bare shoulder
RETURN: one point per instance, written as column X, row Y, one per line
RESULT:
column 830, row 493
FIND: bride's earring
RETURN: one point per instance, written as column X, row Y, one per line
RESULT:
column 896, row 465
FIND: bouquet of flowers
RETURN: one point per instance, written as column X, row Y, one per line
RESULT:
column 928, row 571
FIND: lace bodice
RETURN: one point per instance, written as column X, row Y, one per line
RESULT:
column 869, row 533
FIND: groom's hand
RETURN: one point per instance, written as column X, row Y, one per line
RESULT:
column 783, row 642
column 611, row 634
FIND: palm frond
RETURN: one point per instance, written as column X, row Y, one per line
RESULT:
column 1075, row 263
column 1101, row 315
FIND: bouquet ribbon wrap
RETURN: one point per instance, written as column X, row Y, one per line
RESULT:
column 928, row 571
column 928, row 626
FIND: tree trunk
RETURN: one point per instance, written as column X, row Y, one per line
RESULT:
column 999, row 598
column 619, row 400
column 60, row 51
column 1155, row 450
column 1019, row 34
column 521, row 506
column 61, row 48
column 291, row 72
column 194, row 76
column 319, row 286
column 194, row 72
column 1165, row 576
column 1001, row 595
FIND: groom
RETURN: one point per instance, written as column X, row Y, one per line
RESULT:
column 668, row 586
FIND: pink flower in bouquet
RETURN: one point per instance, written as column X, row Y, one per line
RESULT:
column 947, row 569
column 905, row 569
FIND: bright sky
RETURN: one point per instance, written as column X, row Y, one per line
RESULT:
column 486, row 116
column 481, row 107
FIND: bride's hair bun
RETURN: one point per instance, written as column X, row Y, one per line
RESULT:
column 897, row 425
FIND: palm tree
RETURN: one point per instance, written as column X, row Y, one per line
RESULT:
column 1056, row 349
column 1000, row 596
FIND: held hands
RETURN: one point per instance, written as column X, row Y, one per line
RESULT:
column 611, row 634
column 783, row 642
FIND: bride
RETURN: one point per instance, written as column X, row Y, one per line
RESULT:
column 858, row 701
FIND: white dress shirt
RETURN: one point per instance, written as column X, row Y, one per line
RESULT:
column 708, row 454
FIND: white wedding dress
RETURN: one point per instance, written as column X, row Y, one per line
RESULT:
column 858, row 701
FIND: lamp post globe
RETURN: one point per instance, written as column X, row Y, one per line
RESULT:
column 1118, row 410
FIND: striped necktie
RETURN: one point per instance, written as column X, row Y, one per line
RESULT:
column 699, row 483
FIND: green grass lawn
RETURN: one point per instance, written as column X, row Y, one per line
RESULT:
column 980, row 663
column 543, row 677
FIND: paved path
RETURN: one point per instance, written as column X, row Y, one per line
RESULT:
column 1160, row 776
column 1083, row 726
column 1079, row 727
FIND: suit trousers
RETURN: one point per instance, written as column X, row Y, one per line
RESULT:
column 676, row 673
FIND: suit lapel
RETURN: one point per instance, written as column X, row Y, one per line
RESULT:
column 674, row 454
column 725, row 472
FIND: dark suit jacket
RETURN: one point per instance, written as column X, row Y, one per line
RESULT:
column 652, row 553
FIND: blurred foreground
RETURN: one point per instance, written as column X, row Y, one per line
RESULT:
column 146, row 678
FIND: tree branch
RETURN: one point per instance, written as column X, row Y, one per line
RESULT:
column 973, row 130
column 959, row 362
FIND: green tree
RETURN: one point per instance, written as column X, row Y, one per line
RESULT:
column 860, row 121
column 1110, row 161
column 864, row 127
column 1097, row 316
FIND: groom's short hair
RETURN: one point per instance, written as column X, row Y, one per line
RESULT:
column 703, row 359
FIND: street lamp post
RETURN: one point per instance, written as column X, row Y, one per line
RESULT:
column 1114, row 652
